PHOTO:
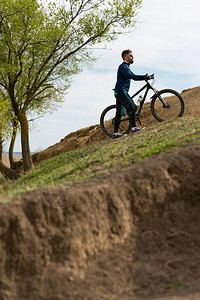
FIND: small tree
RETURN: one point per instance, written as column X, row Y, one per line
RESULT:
column 1, row 147
column 8, row 124
column 41, row 48
column 5, row 131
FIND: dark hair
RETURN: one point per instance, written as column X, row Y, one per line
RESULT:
column 125, row 52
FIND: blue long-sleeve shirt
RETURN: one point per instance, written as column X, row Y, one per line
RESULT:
column 124, row 76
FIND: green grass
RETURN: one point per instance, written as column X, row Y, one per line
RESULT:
column 104, row 157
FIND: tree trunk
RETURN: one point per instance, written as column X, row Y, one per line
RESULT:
column 12, row 143
column 11, row 158
column 21, row 115
column 5, row 171
column 1, row 147
column 26, row 154
column 8, row 173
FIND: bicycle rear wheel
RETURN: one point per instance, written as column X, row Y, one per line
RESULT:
column 107, row 121
column 175, row 105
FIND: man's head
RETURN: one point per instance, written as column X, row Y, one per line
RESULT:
column 127, row 56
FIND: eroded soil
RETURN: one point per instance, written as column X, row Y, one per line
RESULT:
column 132, row 234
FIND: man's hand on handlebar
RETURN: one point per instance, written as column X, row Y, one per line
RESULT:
column 148, row 77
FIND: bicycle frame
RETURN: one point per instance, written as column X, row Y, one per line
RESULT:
column 148, row 87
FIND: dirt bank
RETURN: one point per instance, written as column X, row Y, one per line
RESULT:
column 133, row 234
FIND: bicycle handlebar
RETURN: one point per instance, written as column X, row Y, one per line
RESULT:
column 149, row 77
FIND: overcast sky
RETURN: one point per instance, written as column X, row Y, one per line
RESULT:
column 165, row 41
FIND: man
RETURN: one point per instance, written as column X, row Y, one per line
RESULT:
column 124, row 76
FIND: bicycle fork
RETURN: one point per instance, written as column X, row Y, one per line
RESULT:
column 165, row 105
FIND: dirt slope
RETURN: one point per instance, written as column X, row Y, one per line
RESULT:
column 89, row 135
column 131, row 235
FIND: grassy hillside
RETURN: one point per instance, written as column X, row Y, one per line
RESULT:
column 75, row 166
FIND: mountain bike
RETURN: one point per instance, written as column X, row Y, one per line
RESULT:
column 166, row 104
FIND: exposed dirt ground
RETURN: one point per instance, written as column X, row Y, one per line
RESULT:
column 133, row 234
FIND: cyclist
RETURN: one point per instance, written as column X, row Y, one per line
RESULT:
column 124, row 76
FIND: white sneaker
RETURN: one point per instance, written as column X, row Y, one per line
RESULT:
column 117, row 135
column 137, row 129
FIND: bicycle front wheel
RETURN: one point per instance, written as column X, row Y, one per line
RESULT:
column 107, row 121
column 173, row 107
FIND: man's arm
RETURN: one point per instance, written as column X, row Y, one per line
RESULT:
column 129, row 74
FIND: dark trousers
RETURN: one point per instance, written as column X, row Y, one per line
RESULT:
column 123, row 99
